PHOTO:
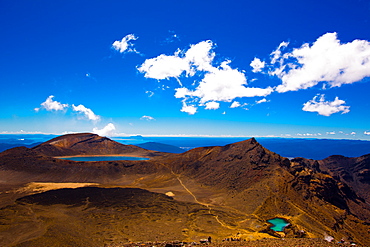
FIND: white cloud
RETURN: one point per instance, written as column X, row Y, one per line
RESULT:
column 182, row 92
column 257, row 65
column 164, row 67
column 325, row 108
column 51, row 105
column 212, row 105
column 367, row 133
column 262, row 101
column 108, row 130
column 190, row 109
column 276, row 55
column 326, row 60
column 235, row 104
column 197, row 58
column 307, row 134
column 150, row 93
column 201, row 56
column 225, row 84
column 148, row 118
column 221, row 83
column 86, row 111
column 125, row 45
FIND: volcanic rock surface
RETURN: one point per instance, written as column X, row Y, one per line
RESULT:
column 222, row 192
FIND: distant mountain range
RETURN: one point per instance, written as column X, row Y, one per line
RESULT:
column 161, row 147
column 225, row 191
column 288, row 147
column 5, row 146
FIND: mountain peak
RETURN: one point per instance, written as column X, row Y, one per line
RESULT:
column 87, row 144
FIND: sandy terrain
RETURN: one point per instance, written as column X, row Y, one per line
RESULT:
column 42, row 187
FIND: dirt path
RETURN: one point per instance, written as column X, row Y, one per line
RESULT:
column 204, row 204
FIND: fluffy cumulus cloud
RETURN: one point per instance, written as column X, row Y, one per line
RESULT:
column 257, row 65
column 51, row 105
column 164, row 67
column 327, row 60
column 86, row 112
column 262, row 101
column 108, row 130
column 325, row 108
column 235, row 104
column 216, row 83
column 190, row 109
column 212, row 105
column 125, row 44
column 225, row 84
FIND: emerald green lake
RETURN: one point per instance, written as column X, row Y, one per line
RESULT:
column 103, row 158
column 278, row 224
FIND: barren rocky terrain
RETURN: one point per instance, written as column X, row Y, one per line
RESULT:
column 218, row 192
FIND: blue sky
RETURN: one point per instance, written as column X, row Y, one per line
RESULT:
column 208, row 68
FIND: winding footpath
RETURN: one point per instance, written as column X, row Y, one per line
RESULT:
column 204, row 204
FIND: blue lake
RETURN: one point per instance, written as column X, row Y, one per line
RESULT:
column 278, row 224
column 103, row 158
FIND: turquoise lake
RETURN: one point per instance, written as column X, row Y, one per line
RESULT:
column 103, row 158
column 278, row 224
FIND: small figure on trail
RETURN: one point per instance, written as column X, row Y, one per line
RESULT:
column 209, row 239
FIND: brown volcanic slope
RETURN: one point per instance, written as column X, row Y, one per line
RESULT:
column 98, row 216
column 235, row 188
column 88, row 144
column 261, row 183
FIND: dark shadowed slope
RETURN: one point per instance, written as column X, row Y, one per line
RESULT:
column 352, row 171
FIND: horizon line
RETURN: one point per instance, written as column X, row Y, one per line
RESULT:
column 116, row 135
